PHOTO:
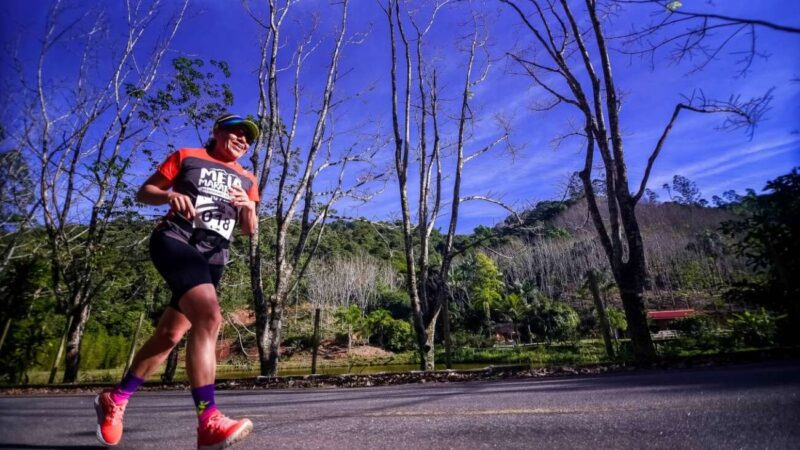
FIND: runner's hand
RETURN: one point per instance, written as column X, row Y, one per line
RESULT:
column 181, row 204
column 240, row 199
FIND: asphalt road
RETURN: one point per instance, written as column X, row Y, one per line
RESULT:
column 749, row 406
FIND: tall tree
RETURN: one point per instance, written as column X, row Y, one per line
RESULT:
column 567, row 58
column 427, row 285
column 299, row 211
column 81, row 138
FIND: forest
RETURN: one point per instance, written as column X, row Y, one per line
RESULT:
column 571, row 279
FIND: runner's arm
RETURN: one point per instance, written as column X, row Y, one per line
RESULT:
column 247, row 210
column 155, row 191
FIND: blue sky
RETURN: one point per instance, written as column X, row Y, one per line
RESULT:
column 716, row 160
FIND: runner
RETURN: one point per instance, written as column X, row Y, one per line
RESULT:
column 208, row 193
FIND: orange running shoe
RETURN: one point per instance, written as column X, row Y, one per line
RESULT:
column 221, row 432
column 109, row 418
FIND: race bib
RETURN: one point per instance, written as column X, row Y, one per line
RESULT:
column 214, row 214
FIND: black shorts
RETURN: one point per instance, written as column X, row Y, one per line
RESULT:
column 182, row 265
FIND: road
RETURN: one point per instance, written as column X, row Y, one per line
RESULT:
column 746, row 406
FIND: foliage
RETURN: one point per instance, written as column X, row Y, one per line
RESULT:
column 616, row 318
column 694, row 274
column 392, row 334
column 699, row 333
column 193, row 93
column 26, row 307
column 376, row 323
column 512, row 308
column 465, row 338
column 551, row 320
column 697, row 326
column 101, row 351
column 755, row 328
column 525, row 298
column 395, row 301
column 16, row 188
column 350, row 318
column 399, row 336
column 767, row 235
column 686, row 192
column 486, row 286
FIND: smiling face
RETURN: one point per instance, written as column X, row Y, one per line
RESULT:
column 231, row 143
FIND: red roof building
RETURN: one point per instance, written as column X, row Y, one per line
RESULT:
column 662, row 319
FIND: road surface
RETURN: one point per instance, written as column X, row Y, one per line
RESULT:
column 746, row 406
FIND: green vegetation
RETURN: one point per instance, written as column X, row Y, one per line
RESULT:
column 518, row 296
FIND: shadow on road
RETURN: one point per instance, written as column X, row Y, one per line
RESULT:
column 67, row 447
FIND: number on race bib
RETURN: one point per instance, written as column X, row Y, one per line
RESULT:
column 216, row 215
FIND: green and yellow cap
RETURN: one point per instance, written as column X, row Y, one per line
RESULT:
column 226, row 121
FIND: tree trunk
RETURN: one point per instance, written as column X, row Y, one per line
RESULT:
column 57, row 358
column 5, row 333
column 315, row 343
column 448, row 345
column 275, row 327
column 631, row 286
column 605, row 327
column 74, row 340
column 428, row 361
column 259, row 305
column 172, row 364
column 134, row 342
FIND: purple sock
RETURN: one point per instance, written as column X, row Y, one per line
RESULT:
column 126, row 388
column 204, row 402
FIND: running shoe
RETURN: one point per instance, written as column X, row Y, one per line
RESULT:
column 109, row 418
column 221, row 432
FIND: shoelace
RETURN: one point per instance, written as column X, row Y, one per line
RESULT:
column 117, row 411
column 218, row 422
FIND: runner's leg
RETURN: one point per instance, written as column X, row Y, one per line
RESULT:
column 171, row 327
column 214, row 431
column 200, row 306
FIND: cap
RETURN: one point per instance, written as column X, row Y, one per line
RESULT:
column 231, row 120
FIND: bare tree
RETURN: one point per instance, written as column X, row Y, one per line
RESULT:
column 564, row 53
column 82, row 138
column 18, row 205
column 323, row 288
column 343, row 281
column 295, row 240
column 699, row 35
column 428, row 293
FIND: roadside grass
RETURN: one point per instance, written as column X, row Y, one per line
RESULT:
column 585, row 352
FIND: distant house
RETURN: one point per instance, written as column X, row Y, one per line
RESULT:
column 661, row 320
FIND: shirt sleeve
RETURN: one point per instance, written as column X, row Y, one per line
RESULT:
column 171, row 166
column 252, row 193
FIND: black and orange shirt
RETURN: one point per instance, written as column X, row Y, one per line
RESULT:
column 206, row 180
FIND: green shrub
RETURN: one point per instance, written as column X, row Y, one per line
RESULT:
column 616, row 318
column 394, row 300
column 101, row 351
column 399, row 335
column 552, row 321
column 698, row 333
column 695, row 326
column 756, row 329
column 469, row 339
